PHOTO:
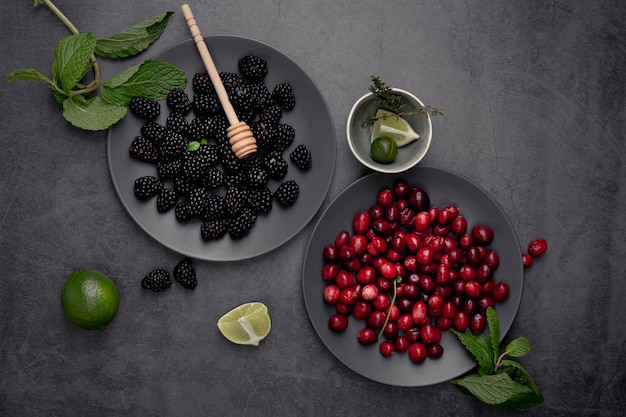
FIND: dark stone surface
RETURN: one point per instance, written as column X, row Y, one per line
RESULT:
column 533, row 94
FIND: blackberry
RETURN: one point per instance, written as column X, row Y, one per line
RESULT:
column 283, row 96
column 282, row 137
column 176, row 122
column 178, row 101
column 240, row 96
column 152, row 130
column 287, row 193
column 215, row 207
column 197, row 201
column 171, row 146
column 206, row 104
column 145, row 108
column 157, row 280
column 229, row 160
column 143, row 149
column 260, row 200
column 275, row 165
column 230, row 80
column 147, row 187
column 167, row 199
column 261, row 96
column 301, row 156
column 241, row 224
column 234, row 178
column 169, row 170
column 270, row 116
column 201, row 83
column 246, row 115
column 199, row 128
column 183, row 185
column 185, row 274
column 261, row 134
column 182, row 212
column 235, row 200
column 214, row 178
column 212, row 153
column 256, row 177
column 252, row 68
column 196, row 166
column 213, row 229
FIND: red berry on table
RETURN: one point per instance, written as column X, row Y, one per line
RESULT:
column 527, row 260
column 537, row 247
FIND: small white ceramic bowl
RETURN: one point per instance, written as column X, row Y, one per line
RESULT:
column 359, row 137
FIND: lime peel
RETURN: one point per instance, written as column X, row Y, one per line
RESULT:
column 395, row 126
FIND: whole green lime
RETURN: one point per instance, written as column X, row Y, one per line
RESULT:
column 90, row 299
column 384, row 149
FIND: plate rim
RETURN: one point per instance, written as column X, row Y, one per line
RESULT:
column 326, row 186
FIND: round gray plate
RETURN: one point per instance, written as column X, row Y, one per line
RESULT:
column 310, row 118
column 444, row 188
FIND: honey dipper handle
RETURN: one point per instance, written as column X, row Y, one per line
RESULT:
column 210, row 65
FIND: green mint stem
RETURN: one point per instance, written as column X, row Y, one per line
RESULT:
column 96, row 69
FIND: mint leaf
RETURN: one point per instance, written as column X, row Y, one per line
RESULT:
column 480, row 347
column 522, row 398
column 490, row 389
column 72, row 57
column 494, row 331
column 152, row 79
column 92, row 114
column 521, row 369
column 134, row 39
column 28, row 75
column 517, row 347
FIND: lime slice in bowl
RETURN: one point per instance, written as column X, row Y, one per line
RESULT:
column 390, row 124
column 247, row 324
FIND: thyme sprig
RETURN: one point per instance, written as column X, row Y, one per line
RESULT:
column 384, row 95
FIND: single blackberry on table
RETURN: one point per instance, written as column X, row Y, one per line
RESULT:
column 213, row 229
column 185, row 274
column 241, row 224
column 157, row 280
column 145, row 108
column 260, row 200
column 197, row 201
column 235, row 199
column 176, row 122
column 275, row 165
column 201, row 83
column 287, row 193
column 252, row 67
column 215, row 207
column 171, row 146
column 167, row 199
column 270, row 116
column 169, row 170
column 147, row 187
column 178, row 101
column 283, row 96
column 152, row 130
column 256, row 177
column 144, row 149
column 182, row 212
column 301, row 156
column 282, row 137
column 206, row 104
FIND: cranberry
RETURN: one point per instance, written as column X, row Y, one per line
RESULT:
column 482, row 234
column 466, row 240
column 461, row 321
column 419, row 199
column 443, row 275
column 444, row 323
column 331, row 294
column 381, row 302
column 419, row 312
column 485, row 302
column 484, row 271
column 376, row 212
column 352, row 265
column 411, row 291
column 410, row 263
column 344, row 309
column 470, row 306
column 376, row 246
column 376, row 319
column 413, row 242
column 417, row 352
column 425, row 255
column 386, row 348
column 401, row 189
column 478, row 323
column 348, row 296
column 427, row 284
column 444, row 216
column 388, row 270
column 401, row 344
column 407, row 217
column 361, row 310
column 338, row 322
column 433, row 212
column 381, row 227
column 434, row 350
column 344, row 279
column 385, row 197
column 413, row 334
column 391, row 330
column 366, row 275
column 459, row 225
column 392, row 213
column 430, row 333
column 405, row 321
column 448, row 309
column 488, row 286
column 346, row 252
column 330, row 271
column 369, row 292
column 367, row 336
column 467, row 272
column 501, row 292
column 435, row 301
column 473, row 289
column 330, row 253
column 404, row 304
column 527, row 260
column 537, row 247
column 359, row 244
column 342, row 238
column 422, row 221
column 384, row 284
column 492, row 259
column 361, row 222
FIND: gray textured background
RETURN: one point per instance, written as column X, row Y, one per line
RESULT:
column 533, row 94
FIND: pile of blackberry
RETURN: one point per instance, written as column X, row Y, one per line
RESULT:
column 198, row 177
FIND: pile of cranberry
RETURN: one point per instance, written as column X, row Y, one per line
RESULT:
column 409, row 271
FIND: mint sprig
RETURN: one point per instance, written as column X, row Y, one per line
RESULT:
column 78, row 54
column 502, row 383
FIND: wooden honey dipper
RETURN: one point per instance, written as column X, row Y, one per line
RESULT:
column 240, row 136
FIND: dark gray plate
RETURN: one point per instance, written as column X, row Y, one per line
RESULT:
column 310, row 118
column 444, row 188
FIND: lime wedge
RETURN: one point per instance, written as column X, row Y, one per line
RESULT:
column 390, row 124
column 247, row 324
